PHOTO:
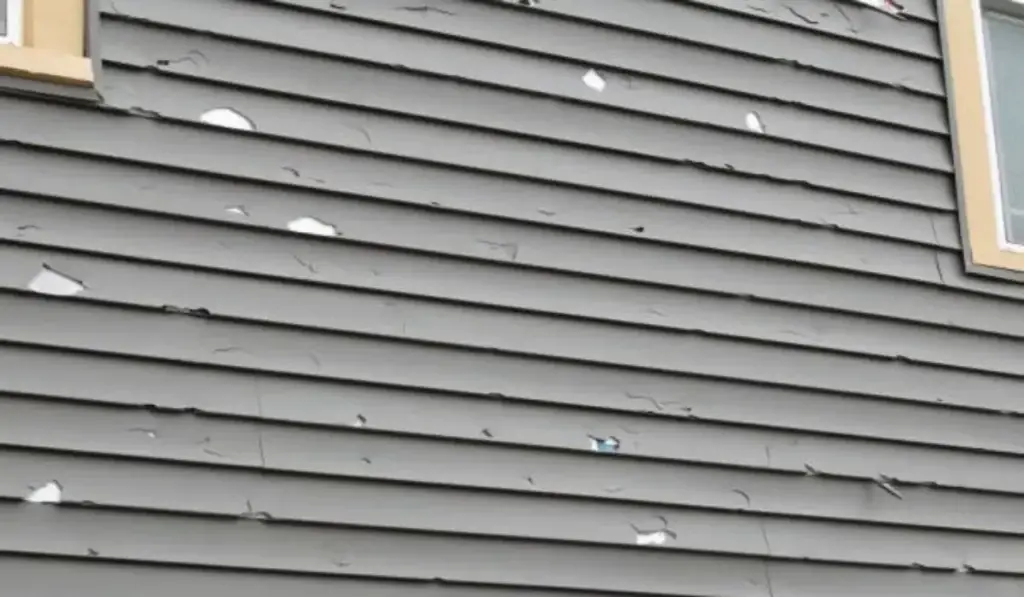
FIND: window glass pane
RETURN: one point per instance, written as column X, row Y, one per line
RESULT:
column 1005, row 37
column 3, row 18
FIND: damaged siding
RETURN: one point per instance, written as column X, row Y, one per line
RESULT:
column 471, row 298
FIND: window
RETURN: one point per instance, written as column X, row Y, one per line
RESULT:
column 45, row 40
column 10, row 22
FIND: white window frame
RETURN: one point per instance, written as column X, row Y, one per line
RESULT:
column 15, row 23
column 1010, row 10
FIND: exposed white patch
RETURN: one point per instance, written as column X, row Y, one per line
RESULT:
column 227, row 118
column 889, row 7
column 754, row 122
column 360, row 421
column 238, row 210
column 652, row 538
column 307, row 225
column 604, row 444
column 47, row 494
column 594, row 80
column 50, row 281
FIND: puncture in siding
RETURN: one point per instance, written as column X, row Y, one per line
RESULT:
column 607, row 445
column 49, row 493
column 309, row 225
column 594, row 80
column 150, row 433
column 294, row 172
column 51, row 281
column 754, row 122
column 194, row 57
column 192, row 311
column 228, row 118
column 889, row 7
column 251, row 514
column 360, row 421
column 658, row 536
column 889, row 485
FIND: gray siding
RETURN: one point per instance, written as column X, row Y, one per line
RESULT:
column 811, row 397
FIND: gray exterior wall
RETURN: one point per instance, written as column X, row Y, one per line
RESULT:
column 810, row 397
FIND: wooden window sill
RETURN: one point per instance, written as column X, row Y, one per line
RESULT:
column 46, row 65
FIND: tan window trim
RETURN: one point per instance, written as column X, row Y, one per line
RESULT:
column 53, row 47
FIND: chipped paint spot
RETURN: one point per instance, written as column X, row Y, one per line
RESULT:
column 360, row 421
column 308, row 225
column 594, row 80
column 227, row 118
column 50, row 281
column 755, row 123
column 47, row 494
column 237, row 210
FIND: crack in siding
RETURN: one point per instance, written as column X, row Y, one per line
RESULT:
column 426, row 9
column 745, row 495
column 851, row 26
column 259, row 429
column 801, row 16
column 938, row 268
column 768, row 552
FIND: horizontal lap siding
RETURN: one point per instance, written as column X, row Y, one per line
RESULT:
column 808, row 394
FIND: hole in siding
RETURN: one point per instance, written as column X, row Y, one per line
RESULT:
column 47, row 494
column 360, row 421
column 889, row 7
column 227, row 118
column 659, row 536
column 50, row 281
column 754, row 122
column 652, row 537
column 638, row 229
column 237, row 210
column 608, row 445
column 307, row 225
column 594, row 80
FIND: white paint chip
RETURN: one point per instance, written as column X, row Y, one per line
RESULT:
column 754, row 122
column 652, row 538
column 360, row 421
column 47, row 494
column 307, row 225
column 50, row 281
column 227, row 118
column 594, row 80
column 237, row 210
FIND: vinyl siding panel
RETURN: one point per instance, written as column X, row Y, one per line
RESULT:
column 808, row 394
